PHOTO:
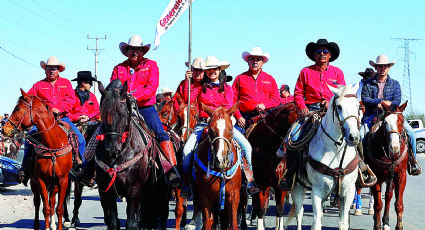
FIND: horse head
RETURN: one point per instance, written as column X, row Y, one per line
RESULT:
column 184, row 127
column 28, row 110
column 166, row 112
column 220, row 134
column 116, row 115
column 393, row 121
column 344, row 108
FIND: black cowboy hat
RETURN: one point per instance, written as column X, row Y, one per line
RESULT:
column 368, row 73
column 84, row 76
column 332, row 46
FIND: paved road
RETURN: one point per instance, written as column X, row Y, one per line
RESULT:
column 413, row 219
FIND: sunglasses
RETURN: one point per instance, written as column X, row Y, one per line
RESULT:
column 51, row 68
column 322, row 51
column 258, row 59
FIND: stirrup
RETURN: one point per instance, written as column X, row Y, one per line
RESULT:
column 252, row 188
column 368, row 182
column 186, row 192
column 414, row 171
column 284, row 185
column 173, row 177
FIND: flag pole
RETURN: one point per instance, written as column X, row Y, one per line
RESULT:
column 189, row 65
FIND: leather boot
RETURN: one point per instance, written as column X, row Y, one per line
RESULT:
column 288, row 180
column 186, row 192
column 172, row 176
column 414, row 167
column 76, row 173
column 251, row 187
column 368, row 178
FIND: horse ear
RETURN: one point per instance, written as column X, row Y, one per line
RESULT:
column 124, row 88
column 206, row 109
column 403, row 106
column 101, row 88
column 179, row 99
column 233, row 109
column 385, row 106
column 25, row 95
column 356, row 87
column 333, row 89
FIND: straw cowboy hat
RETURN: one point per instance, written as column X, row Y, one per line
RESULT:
column 368, row 73
column 134, row 41
column 53, row 61
column 213, row 62
column 332, row 46
column 382, row 60
column 198, row 63
column 256, row 51
column 84, row 76
column 167, row 90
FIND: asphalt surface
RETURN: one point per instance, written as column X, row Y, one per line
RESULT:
column 91, row 214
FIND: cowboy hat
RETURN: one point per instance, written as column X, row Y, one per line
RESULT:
column 84, row 76
column 213, row 62
column 198, row 63
column 53, row 61
column 134, row 41
column 382, row 60
column 368, row 73
column 167, row 90
column 256, row 51
column 332, row 46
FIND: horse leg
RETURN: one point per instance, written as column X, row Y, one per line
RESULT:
column 317, row 200
column 376, row 193
column 45, row 199
column 207, row 215
column 52, row 202
column 179, row 208
column 133, row 201
column 388, row 197
column 110, row 214
column 232, row 215
column 78, row 190
column 298, row 194
column 263, row 200
column 399, row 206
column 243, row 203
column 63, row 186
column 37, row 202
column 345, row 203
column 280, row 201
column 358, row 202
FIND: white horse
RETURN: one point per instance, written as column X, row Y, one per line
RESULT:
column 332, row 148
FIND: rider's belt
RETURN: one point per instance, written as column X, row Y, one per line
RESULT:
column 314, row 105
column 202, row 120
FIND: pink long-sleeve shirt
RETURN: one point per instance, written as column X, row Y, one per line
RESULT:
column 90, row 108
column 144, row 81
column 285, row 100
column 311, row 85
column 250, row 92
column 195, row 88
column 215, row 99
column 60, row 96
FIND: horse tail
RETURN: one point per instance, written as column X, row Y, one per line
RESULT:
column 291, row 216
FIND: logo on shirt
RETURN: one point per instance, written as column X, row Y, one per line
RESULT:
column 265, row 82
column 335, row 82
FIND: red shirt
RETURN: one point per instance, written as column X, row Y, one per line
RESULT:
column 90, row 108
column 195, row 88
column 60, row 96
column 285, row 100
column 311, row 85
column 250, row 92
column 144, row 81
column 214, row 99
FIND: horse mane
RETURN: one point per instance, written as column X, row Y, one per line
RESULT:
column 109, row 105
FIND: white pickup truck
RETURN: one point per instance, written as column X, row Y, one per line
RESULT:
column 419, row 129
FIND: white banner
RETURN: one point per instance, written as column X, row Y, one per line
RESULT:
column 171, row 14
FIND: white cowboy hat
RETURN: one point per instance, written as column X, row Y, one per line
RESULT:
column 135, row 41
column 198, row 63
column 213, row 62
column 382, row 60
column 53, row 61
column 167, row 90
column 256, row 51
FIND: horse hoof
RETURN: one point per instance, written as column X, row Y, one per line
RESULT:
column 371, row 212
column 67, row 224
column 190, row 227
column 358, row 212
column 387, row 227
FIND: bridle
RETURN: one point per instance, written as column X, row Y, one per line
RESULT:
column 387, row 134
column 214, row 151
column 190, row 130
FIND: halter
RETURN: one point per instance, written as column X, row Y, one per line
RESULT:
column 387, row 135
column 229, row 149
column 196, row 117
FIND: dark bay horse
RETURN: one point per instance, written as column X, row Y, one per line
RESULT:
column 53, row 158
column 387, row 156
column 218, row 172
column 266, row 138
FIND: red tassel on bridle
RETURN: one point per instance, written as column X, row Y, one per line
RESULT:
column 100, row 137
column 124, row 136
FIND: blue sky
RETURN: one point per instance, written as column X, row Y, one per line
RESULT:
column 33, row 30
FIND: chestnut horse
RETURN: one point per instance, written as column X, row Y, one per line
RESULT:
column 127, row 165
column 266, row 138
column 218, row 171
column 387, row 156
column 53, row 158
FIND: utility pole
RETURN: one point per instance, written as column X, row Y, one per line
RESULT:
column 406, row 90
column 96, row 52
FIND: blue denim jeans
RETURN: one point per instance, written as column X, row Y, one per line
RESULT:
column 195, row 138
column 81, row 140
column 154, row 123
column 296, row 132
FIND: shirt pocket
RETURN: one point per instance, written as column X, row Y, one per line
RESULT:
column 142, row 78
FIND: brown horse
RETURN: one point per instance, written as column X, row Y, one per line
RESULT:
column 387, row 156
column 218, row 173
column 166, row 114
column 53, row 159
column 266, row 138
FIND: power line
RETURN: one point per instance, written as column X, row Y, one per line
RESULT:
column 97, row 51
column 407, row 93
column 47, row 19
column 18, row 57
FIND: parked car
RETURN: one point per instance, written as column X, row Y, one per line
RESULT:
column 9, row 169
column 419, row 129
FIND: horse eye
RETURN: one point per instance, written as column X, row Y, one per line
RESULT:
column 339, row 107
column 165, row 115
column 17, row 109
